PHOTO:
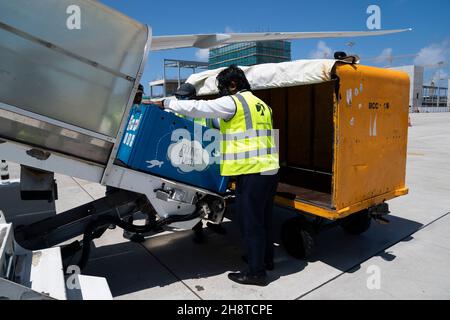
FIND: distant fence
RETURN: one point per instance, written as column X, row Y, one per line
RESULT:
column 434, row 109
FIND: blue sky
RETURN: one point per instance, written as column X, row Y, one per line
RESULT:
column 430, row 39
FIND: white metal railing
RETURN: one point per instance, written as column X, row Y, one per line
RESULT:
column 433, row 109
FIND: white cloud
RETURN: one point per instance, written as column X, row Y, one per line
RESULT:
column 385, row 56
column 202, row 54
column 228, row 29
column 432, row 54
column 439, row 75
column 322, row 51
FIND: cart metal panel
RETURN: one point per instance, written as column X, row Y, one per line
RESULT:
column 371, row 134
column 370, row 142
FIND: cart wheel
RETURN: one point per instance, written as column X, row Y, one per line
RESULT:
column 297, row 236
column 357, row 223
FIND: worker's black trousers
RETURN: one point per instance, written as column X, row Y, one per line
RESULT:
column 254, row 205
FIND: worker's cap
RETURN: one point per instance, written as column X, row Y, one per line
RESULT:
column 186, row 90
column 140, row 88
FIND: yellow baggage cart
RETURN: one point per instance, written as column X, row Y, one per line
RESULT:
column 343, row 131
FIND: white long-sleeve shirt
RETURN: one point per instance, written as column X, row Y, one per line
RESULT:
column 223, row 108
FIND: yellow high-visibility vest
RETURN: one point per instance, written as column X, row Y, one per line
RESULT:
column 248, row 143
column 201, row 121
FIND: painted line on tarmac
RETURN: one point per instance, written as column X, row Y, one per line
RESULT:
column 80, row 185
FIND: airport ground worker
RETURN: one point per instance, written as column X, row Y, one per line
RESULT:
column 249, row 153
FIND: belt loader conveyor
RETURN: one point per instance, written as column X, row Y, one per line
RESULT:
column 69, row 117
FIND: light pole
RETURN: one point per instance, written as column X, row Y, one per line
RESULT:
column 438, row 91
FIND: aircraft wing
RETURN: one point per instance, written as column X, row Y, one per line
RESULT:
column 204, row 41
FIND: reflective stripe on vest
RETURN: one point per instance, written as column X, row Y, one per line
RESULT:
column 247, row 112
column 248, row 142
column 247, row 134
column 249, row 154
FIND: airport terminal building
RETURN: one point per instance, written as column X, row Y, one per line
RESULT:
column 425, row 98
column 250, row 53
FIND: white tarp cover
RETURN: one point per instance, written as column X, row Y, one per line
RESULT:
column 270, row 75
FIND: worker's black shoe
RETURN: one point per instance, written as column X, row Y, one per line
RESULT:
column 268, row 265
column 248, row 279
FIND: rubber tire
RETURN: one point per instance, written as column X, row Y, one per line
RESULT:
column 298, row 238
column 357, row 223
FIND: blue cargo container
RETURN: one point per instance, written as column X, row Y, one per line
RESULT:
column 163, row 144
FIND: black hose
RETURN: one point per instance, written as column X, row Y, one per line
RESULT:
column 89, row 236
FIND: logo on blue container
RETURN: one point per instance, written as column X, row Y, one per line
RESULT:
column 188, row 156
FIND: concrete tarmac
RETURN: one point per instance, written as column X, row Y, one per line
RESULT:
column 406, row 259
